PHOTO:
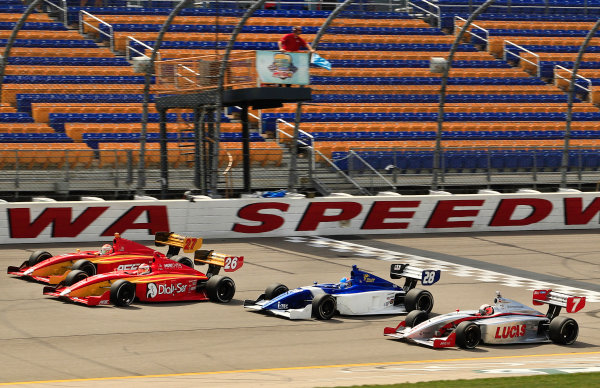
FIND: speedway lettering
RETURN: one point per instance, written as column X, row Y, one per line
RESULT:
column 62, row 224
column 510, row 331
column 446, row 214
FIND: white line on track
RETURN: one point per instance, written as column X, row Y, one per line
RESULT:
column 459, row 270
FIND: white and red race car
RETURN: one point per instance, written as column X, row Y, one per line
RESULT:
column 504, row 322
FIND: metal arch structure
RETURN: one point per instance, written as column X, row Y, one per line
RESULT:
column 214, row 159
column 328, row 22
column 11, row 40
column 571, row 96
column 440, row 119
column 147, row 80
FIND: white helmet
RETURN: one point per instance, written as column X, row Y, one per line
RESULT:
column 106, row 249
column 143, row 269
column 486, row 309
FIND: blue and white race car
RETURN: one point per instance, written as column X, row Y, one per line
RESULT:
column 362, row 294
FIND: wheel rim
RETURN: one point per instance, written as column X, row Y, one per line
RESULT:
column 126, row 294
column 327, row 308
column 224, row 291
column 569, row 332
column 471, row 336
column 424, row 303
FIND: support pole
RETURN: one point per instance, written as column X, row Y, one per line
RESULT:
column 440, row 119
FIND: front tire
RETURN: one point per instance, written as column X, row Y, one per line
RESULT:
column 415, row 317
column 84, row 265
column 274, row 290
column 183, row 260
column 75, row 276
column 468, row 335
column 563, row 330
column 323, row 306
column 38, row 257
column 220, row 289
column 417, row 299
column 122, row 293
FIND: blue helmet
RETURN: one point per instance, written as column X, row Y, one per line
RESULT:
column 344, row 282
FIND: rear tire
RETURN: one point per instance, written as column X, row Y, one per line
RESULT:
column 468, row 335
column 324, row 306
column 274, row 290
column 37, row 257
column 122, row 293
column 183, row 260
column 75, row 276
column 84, row 265
column 417, row 299
column 220, row 289
column 415, row 317
column 563, row 330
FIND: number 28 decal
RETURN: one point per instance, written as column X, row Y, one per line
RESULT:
column 233, row 263
column 430, row 277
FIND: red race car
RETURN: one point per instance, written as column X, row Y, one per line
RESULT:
column 163, row 280
column 122, row 255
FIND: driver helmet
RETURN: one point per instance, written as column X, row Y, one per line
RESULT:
column 106, row 249
column 143, row 269
column 486, row 309
column 344, row 283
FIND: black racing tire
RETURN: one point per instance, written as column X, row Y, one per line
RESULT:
column 417, row 299
column 75, row 276
column 220, row 289
column 468, row 335
column 38, row 257
column 274, row 290
column 122, row 293
column 415, row 317
column 84, row 265
column 183, row 260
column 563, row 330
column 324, row 306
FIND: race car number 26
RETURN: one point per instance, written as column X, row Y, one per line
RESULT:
column 231, row 264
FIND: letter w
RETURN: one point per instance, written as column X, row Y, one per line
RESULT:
column 58, row 217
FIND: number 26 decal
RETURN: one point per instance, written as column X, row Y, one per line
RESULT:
column 233, row 263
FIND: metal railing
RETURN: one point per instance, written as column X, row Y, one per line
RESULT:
column 436, row 14
column 507, row 53
column 562, row 81
column 485, row 38
column 110, row 36
column 61, row 8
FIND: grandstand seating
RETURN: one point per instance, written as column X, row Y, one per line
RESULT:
column 64, row 89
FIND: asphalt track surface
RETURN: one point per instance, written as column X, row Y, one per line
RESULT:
column 49, row 343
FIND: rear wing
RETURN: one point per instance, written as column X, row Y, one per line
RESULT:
column 556, row 300
column 216, row 261
column 414, row 274
column 177, row 242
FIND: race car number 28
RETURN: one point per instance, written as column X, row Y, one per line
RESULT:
column 430, row 277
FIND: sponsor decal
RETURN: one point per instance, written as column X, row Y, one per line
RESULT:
column 128, row 267
column 510, row 331
column 282, row 306
column 179, row 288
column 173, row 265
column 151, row 291
column 368, row 279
